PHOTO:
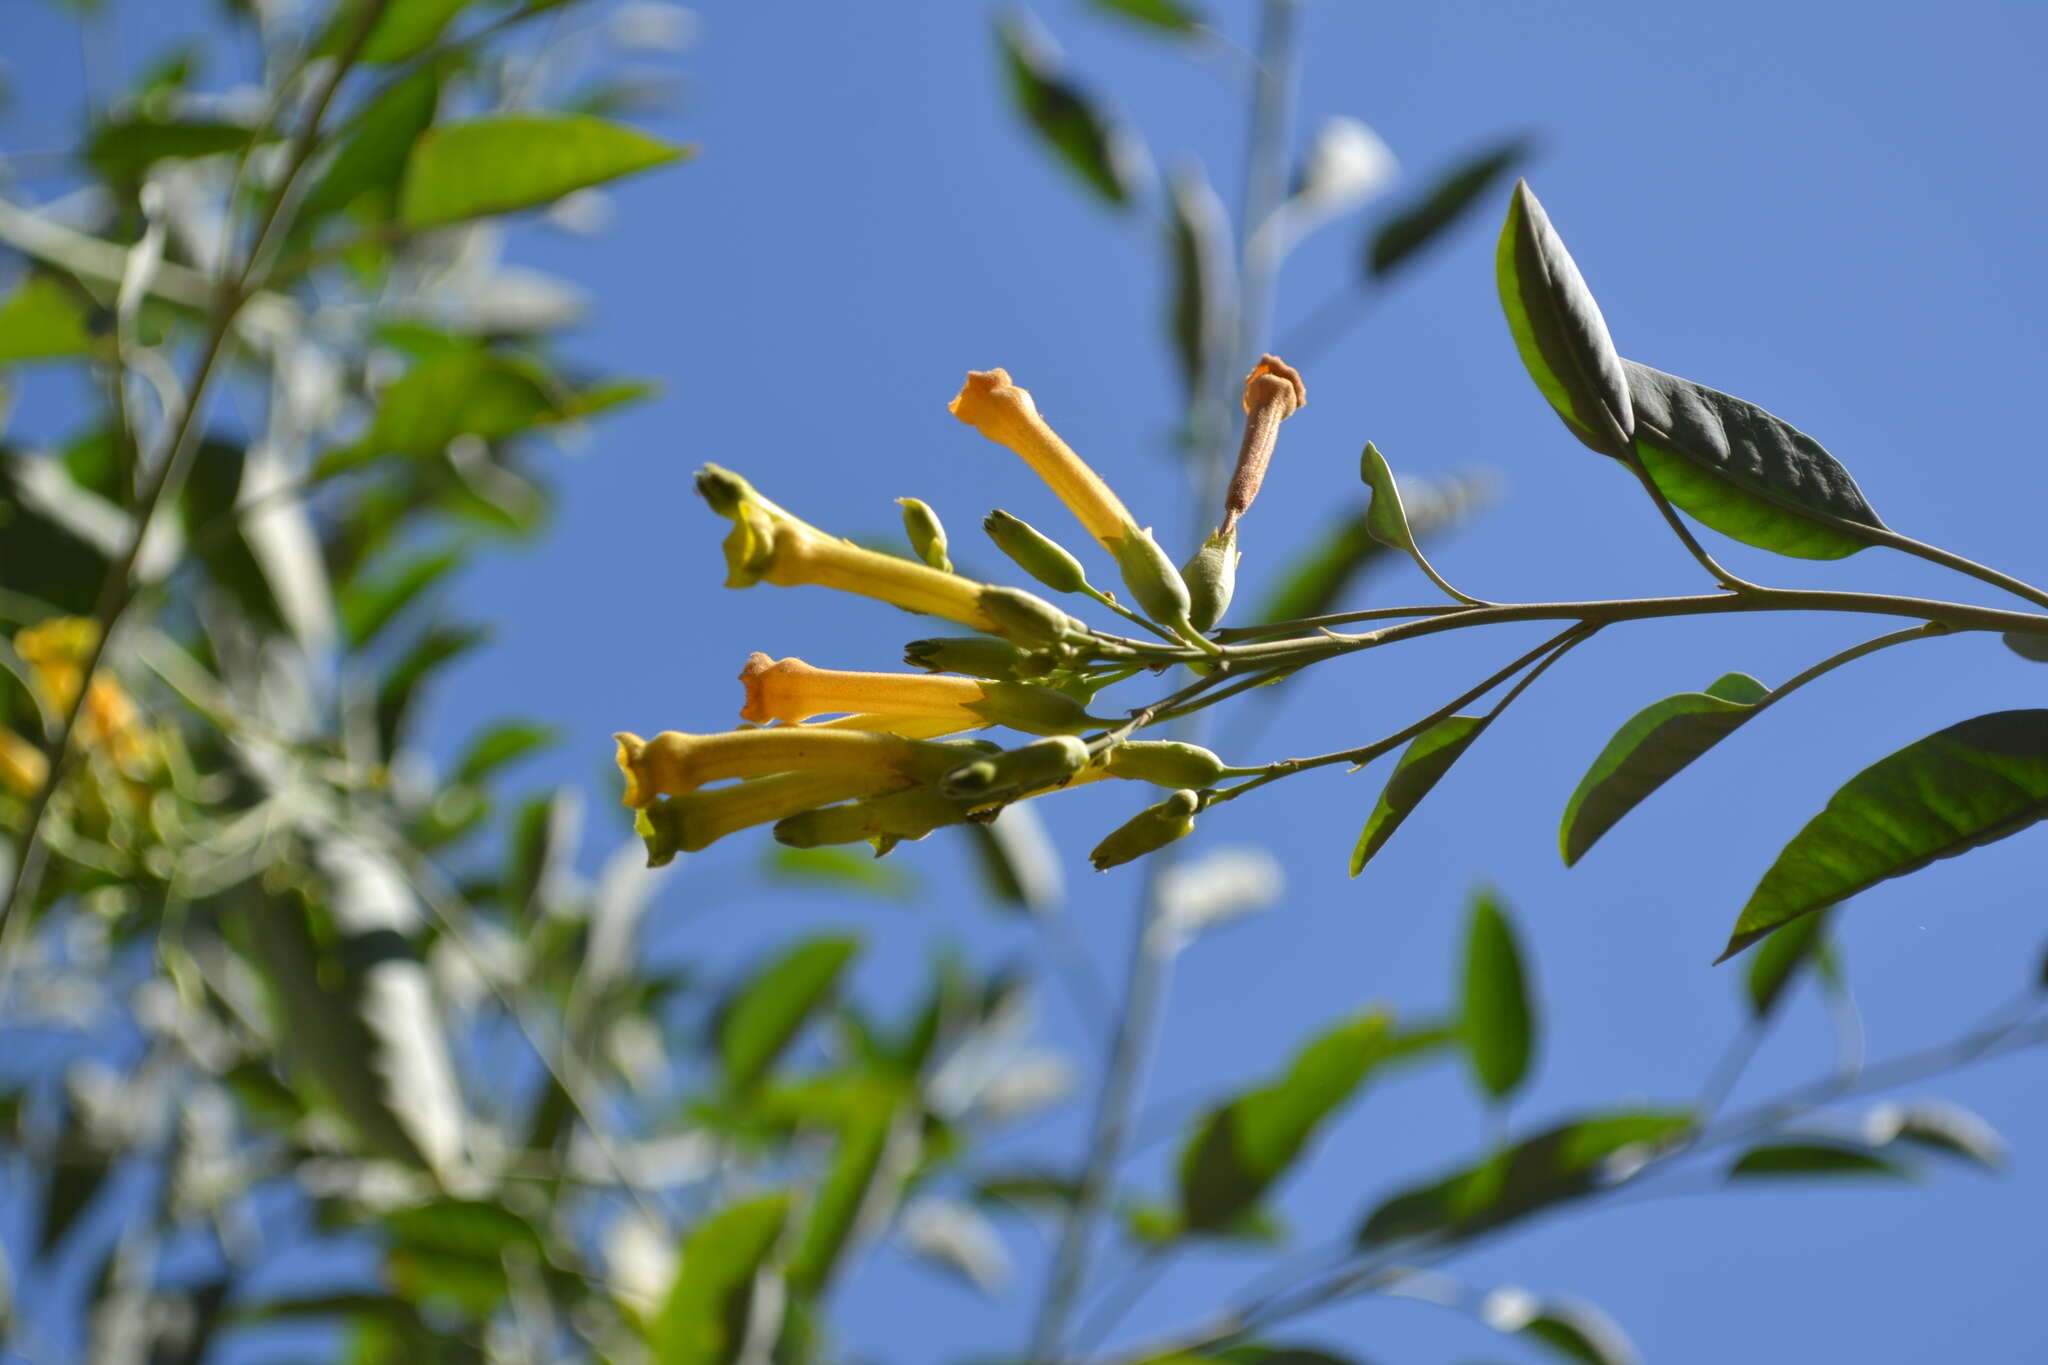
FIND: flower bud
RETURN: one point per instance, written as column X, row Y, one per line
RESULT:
column 1041, row 763
column 1035, row 552
column 927, row 534
column 1211, row 576
column 1029, row 621
column 978, row 656
column 1151, row 829
column 1034, row 710
column 901, row 815
column 1154, row 582
column 1167, row 762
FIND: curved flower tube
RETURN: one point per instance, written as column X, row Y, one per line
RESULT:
column 676, row 764
column 685, row 824
column 1006, row 414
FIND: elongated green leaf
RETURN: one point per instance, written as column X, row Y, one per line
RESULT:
column 706, row 1318
column 1576, row 1331
column 403, row 30
column 1553, row 1167
column 862, row 1185
column 1558, row 329
column 75, row 1180
column 127, row 147
column 1385, row 519
column 1203, row 313
column 1959, row 788
column 502, row 743
column 518, row 161
column 461, row 393
column 768, row 1012
column 1020, row 867
column 438, row 647
column 1168, row 15
column 372, row 160
column 1242, row 1147
column 1797, row 1159
column 841, row 869
column 1499, row 1019
column 1423, row 763
column 45, row 319
column 368, row 607
column 1743, row 472
column 1067, row 118
column 1407, row 232
column 1940, row 1127
column 455, row 1250
column 1777, row 964
column 1654, row 746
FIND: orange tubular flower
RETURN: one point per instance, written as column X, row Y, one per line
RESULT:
column 676, row 764
column 1006, row 414
column 792, row 690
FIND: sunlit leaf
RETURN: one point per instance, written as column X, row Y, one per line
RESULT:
column 402, row 30
column 956, row 1237
column 367, row 607
column 1439, row 209
column 1168, row 15
column 454, row 1250
column 1499, row 1018
column 1652, row 747
column 1422, row 765
column 1565, row 1328
column 1778, row 963
column 125, row 148
column 46, row 319
column 768, row 1012
column 873, row 1156
column 709, row 1309
column 436, row 648
column 1779, row 1160
column 372, row 159
column 505, row 742
column 1072, row 125
column 509, row 162
column 1957, row 789
column 1559, row 331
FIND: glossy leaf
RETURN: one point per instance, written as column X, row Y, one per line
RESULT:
column 1780, row 1160
column 46, row 319
column 1202, row 316
column 1652, row 747
column 1777, row 964
column 1242, row 1147
column 1743, row 472
column 1551, row 1168
column 1559, row 330
column 1499, row 1016
column 509, row 162
column 958, row 1238
column 706, row 1317
column 1168, row 15
column 368, row 607
column 771, row 1009
column 1959, row 788
column 1065, row 117
column 506, row 742
column 1407, row 232
column 1422, row 765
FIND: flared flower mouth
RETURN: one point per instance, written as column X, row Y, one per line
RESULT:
column 1007, row 415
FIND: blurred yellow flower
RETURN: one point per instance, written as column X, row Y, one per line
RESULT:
column 56, row 652
column 23, row 769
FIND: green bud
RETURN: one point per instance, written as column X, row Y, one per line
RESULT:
column 977, row 656
column 1154, row 582
column 1211, row 576
column 1150, row 830
column 1034, row 710
column 1167, row 762
column 900, row 815
column 927, row 534
column 661, row 828
column 1041, row 763
column 1030, row 621
column 1036, row 553
column 723, row 489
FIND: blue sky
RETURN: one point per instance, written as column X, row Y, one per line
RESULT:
column 1831, row 211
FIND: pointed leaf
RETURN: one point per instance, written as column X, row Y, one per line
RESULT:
column 769, row 1011
column 1242, row 1147
column 1385, row 519
column 1019, row 865
column 1655, row 745
column 372, row 160
column 1203, row 316
column 2034, row 647
column 401, row 30
column 1777, row 964
column 862, row 1185
column 1168, row 15
column 1743, row 472
column 1415, row 227
column 1500, row 1025
column 368, row 607
column 503, row 743
column 1564, row 1327
column 437, row 647
column 509, row 162
column 1959, row 788
column 1067, row 118
column 46, row 319
column 1423, row 763
column 1796, row 1159
column 1558, row 329
column 709, row 1309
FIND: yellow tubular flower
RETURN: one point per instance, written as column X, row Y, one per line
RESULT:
column 792, row 690
column 676, row 764
column 686, row 824
column 910, row 727
column 1004, row 413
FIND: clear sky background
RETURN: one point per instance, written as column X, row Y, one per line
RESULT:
column 1831, row 210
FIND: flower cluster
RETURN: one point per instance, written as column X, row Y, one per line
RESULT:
column 831, row 756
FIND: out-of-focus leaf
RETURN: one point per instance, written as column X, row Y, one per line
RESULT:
column 1827, row 1159
column 1557, row 1165
column 2034, row 647
column 1256, row 1354
column 455, row 1250
column 1777, row 964
column 1422, row 765
column 1240, row 1148
column 505, row 742
column 767, row 1013
column 543, row 845
column 1105, row 155
column 1347, row 163
column 212, row 490
column 1651, row 748
column 955, row 1237
column 124, row 148
column 1028, row 1189
column 1407, row 232
column 875, row 1152
column 509, row 162
column 1559, row 331
column 842, row 870
column 1314, row 581
column 1747, row 474
column 1156, row 1225
column 46, row 319
column 403, row 30
column 78, row 1172
column 1202, row 316
column 1564, row 1327
column 1020, row 866
column 438, row 646
column 373, row 158
column 709, row 1308
column 1937, row 1126
column 1168, row 15
column 1218, row 886
column 1957, row 789
column 368, row 607
column 1500, row 1019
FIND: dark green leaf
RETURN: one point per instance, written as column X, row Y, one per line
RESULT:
column 436, row 648
column 368, row 607
column 1743, row 472
column 542, row 849
column 126, row 147
column 771, row 1008
column 1169, row 15
column 2033, row 647
column 501, row 744
column 1959, row 788
column 459, row 393
column 1242, row 1147
column 1103, row 154
column 1777, row 964
column 373, row 159
column 1499, row 1018
column 1202, row 318
column 875, row 1152
column 705, row 1320
column 1782, row 1159
column 1028, row 1189
column 1422, row 765
column 217, row 535
column 1019, row 865
column 1558, row 329
column 518, row 161
column 1553, row 1167
column 52, row 555
column 403, row 30
column 78, row 1171
column 1422, row 222
column 842, row 870
column 46, row 319
column 1655, row 745
column 454, row 1251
